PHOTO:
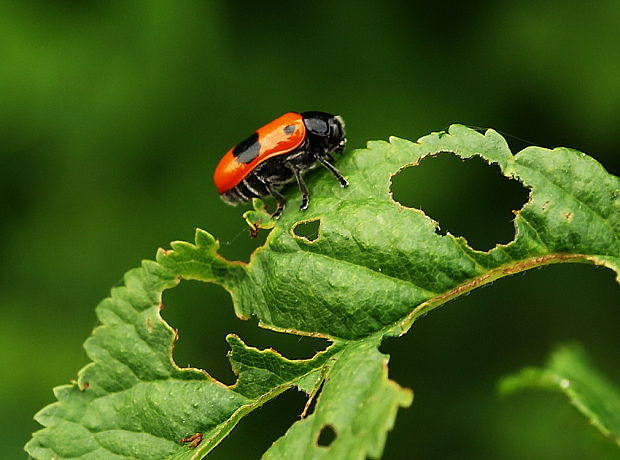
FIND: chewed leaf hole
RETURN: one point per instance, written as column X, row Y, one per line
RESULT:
column 469, row 198
column 308, row 230
column 183, row 308
column 326, row 436
column 312, row 400
column 201, row 339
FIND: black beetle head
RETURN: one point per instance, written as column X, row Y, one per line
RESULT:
column 328, row 128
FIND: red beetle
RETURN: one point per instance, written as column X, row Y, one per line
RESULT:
column 277, row 153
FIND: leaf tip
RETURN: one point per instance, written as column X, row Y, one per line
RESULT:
column 204, row 239
column 234, row 341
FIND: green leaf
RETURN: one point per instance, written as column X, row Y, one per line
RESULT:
column 374, row 268
column 378, row 266
column 569, row 371
column 357, row 402
column 134, row 402
column 259, row 217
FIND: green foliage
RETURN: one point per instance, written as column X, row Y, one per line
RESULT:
column 568, row 370
column 357, row 401
column 374, row 268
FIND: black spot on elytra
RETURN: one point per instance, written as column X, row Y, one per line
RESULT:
column 248, row 149
column 289, row 129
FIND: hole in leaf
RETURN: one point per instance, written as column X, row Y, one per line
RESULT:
column 308, row 230
column 310, row 407
column 468, row 198
column 326, row 436
column 203, row 315
column 257, row 431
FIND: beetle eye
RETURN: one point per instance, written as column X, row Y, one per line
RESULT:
column 317, row 126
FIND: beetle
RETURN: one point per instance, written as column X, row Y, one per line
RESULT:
column 282, row 150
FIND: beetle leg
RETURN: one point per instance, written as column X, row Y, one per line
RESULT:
column 333, row 170
column 302, row 187
column 280, row 199
column 340, row 148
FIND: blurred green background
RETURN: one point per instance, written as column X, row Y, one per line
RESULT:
column 114, row 114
